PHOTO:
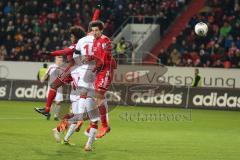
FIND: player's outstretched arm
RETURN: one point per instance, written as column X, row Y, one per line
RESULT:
column 65, row 51
column 45, row 77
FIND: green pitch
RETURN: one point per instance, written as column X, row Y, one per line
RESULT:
column 138, row 133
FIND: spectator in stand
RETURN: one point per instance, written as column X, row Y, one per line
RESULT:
column 3, row 52
column 163, row 57
column 49, row 20
column 175, row 58
column 225, row 29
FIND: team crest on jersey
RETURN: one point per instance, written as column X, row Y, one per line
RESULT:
column 104, row 45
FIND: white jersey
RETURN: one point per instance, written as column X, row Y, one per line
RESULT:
column 82, row 74
column 84, row 78
column 53, row 71
column 85, row 45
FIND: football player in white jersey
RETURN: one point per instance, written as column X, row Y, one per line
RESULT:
column 52, row 72
column 83, row 80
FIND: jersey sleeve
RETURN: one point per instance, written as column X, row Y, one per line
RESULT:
column 96, row 15
column 66, row 51
column 48, row 70
column 78, row 46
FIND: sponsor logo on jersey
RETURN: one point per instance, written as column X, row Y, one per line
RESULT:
column 104, row 45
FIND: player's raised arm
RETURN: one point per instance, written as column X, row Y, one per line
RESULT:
column 97, row 12
column 96, row 15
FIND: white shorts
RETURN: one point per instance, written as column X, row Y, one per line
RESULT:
column 83, row 77
column 87, row 78
column 74, row 95
column 59, row 94
column 92, row 112
column 75, row 107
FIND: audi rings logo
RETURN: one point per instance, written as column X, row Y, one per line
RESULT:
column 4, row 71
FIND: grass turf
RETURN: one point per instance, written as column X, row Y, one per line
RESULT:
column 168, row 134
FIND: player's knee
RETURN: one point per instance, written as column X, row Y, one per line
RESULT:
column 58, row 103
column 53, row 86
column 83, row 92
column 99, row 95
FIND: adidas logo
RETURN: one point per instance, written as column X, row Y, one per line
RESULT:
column 3, row 91
column 214, row 99
column 31, row 92
column 158, row 98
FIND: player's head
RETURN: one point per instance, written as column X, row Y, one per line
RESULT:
column 58, row 60
column 45, row 65
column 96, row 28
column 76, row 33
column 196, row 71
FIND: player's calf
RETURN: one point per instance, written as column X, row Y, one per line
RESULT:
column 92, row 136
column 56, row 135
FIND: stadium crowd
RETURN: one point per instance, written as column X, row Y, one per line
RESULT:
column 29, row 28
column 220, row 48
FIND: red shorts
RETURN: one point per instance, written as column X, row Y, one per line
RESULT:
column 103, row 81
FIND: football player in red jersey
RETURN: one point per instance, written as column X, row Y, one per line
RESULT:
column 104, row 68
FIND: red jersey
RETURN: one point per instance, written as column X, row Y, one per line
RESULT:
column 66, row 51
column 103, row 54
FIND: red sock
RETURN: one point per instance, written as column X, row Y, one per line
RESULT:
column 103, row 115
column 50, row 98
column 88, row 128
column 93, row 125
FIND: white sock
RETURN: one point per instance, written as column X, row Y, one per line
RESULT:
column 90, row 103
column 57, row 110
column 91, row 108
column 106, row 106
column 70, row 132
column 92, row 135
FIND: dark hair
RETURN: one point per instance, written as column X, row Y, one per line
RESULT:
column 97, row 23
column 45, row 65
column 77, row 31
